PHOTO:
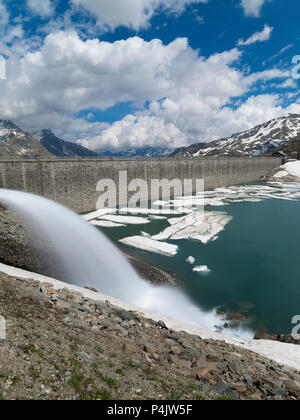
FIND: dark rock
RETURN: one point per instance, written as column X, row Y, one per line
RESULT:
column 92, row 289
column 126, row 316
column 223, row 389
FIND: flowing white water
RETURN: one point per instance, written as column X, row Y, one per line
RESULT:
column 88, row 258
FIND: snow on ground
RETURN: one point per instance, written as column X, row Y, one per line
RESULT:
column 202, row 226
column 148, row 244
column 282, row 353
column 281, row 174
column 105, row 223
column 293, row 168
column 127, row 220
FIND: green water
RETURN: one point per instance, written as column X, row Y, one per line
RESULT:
column 254, row 263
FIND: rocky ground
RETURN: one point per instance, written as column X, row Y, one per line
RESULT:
column 62, row 346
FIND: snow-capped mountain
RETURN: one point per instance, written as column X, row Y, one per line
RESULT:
column 146, row 152
column 17, row 144
column 256, row 141
column 59, row 147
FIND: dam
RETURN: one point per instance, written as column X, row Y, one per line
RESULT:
column 72, row 182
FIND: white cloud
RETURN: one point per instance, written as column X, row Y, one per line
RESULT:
column 253, row 7
column 262, row 36
column 188, row 94
column 4, row 16
column 135, row 14
column 40, row 7
column 137, row 131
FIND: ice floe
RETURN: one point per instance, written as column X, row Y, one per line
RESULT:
column 191, row 260
column 154, row 217
column 128, row 220
column 144, row 210
column 201, row 226
column 203, row 269
column 97, row 213
column 148, row 244
column 105, row 223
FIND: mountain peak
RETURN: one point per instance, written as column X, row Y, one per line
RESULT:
column 253, row 142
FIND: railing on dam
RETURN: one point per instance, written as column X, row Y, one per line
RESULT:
column 72, row 182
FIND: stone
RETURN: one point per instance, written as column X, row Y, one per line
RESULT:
column 293, row 388
column 92, row 289
column 203, row 373
column 126, row 315
column 237, row 316
column 189, row 353
column 129, row 347
column 223, row 389
column 172, row 336
column 162, row 325
column 212, row 358
column 261, row 335
column 150, row 349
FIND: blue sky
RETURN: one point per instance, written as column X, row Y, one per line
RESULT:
column 114, row 74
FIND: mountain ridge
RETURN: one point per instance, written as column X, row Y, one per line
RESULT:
column 256, row 141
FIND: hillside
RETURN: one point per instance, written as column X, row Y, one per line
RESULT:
column 59, row 147
column 17, row 144
column 62, row 344
column 256, row 141
column 289, row 147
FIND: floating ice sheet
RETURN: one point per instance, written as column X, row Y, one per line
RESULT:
column 202, row 226
column 148, row 244
column 143, row 210
column 128, row 220
column 105, row 223
column 203, row 269
column 98, row 213
column 191, row 260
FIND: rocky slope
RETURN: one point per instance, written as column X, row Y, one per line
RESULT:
column 59, row 147
column 61, row 345
column 290, row 147
column 17, row 144
column 259, row 140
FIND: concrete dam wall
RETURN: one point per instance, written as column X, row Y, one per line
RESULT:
column 73, row 182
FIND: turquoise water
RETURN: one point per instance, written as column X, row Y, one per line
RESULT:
column 255, row 262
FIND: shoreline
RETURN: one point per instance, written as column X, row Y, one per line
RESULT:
column 282, row 353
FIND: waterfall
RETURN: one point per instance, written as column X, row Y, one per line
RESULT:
column 88, row 258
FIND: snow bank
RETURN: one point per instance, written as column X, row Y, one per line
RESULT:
column 293, row 168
